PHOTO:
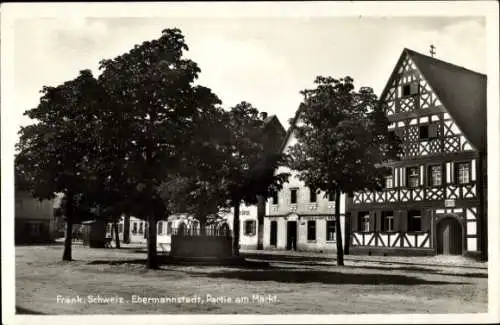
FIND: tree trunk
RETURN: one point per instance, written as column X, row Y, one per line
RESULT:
column 261, row 212
column 68, row 240
column 347, row 227
column 126, row 229
column 67, row 256
column 152, row 262
column 203, row 225
column 338, row 230
column 236, row 229
column 117, row 234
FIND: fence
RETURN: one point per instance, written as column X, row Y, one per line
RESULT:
column 196, row 231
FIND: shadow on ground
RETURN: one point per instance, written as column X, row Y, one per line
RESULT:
column 418, row 269
column 287, row 276
column 165, row 261
column 301, row 259
column 422, row 270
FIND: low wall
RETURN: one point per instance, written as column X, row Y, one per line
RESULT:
column 201, row 246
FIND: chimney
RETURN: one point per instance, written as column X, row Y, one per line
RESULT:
column 263, row 115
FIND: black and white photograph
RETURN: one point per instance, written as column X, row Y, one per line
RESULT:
column 273, row 162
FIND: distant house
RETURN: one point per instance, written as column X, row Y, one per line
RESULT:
column 165, row 228
column 251, row 217
column 299, row 217
column 34, row 219
column 434, row 201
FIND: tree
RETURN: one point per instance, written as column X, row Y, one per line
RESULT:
column 343, row 142
column 154, row 119
column 54, row 153
column 250, row 167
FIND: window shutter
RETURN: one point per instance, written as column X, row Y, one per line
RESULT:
column 378, row 221
column 413, row 88
column 397, row 220
column 402, row 173
column 433, row 130
column 399, row 132
column 403, row 224
column 354, row 222
column 426, row 220
column 373, row 216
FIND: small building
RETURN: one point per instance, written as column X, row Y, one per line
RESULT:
column 298, row 217
column 165, row 228
column 34, row 219
column 435, row 197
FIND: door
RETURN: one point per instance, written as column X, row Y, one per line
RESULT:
column 449, row 237
column 274, row 233
column 291, row 235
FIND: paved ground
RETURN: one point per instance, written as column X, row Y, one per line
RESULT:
column 292, row 283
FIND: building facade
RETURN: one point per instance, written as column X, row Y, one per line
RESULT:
column 297, row 217
column 165, row 228
column 34, row 219
column 434, row 201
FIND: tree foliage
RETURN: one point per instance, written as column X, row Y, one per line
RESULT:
column 153, row 122
column 343, row 142
column 56, row 153
column 250, row 164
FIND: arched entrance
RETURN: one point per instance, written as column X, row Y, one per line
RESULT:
column 449, row 236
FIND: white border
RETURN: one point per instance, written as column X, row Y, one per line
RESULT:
column 12, row 11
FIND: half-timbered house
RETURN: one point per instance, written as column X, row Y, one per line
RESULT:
column 434, row 201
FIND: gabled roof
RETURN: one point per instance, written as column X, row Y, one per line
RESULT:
column 291, row 127
column 273, row 125
column 461, row 91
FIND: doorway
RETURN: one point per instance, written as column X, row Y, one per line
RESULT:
column 274, row 233
column 291, row 235
column 449, row 237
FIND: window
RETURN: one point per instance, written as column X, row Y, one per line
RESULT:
column 275, row 198
column 313, row 195
column 293, row 196
column 410, row 89
column 387, row 221
column 435, row 175
column 120, row 228
column 412, row 176
column 388, row 182
column 462, row 171
column 250, row 226
column 429, row 131
column 414, row 221
column 34, row 229
column 140, row 227
column 160, row 228
column 134, row 228
column 311, row 230
column 169, row 227
column 330, row 230
column 364, row 221
column 423, row 132
column 331, row 197
column 108, row 228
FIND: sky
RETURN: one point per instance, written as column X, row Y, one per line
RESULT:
column 266, row 61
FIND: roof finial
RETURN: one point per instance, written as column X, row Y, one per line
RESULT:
column 433, row 50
